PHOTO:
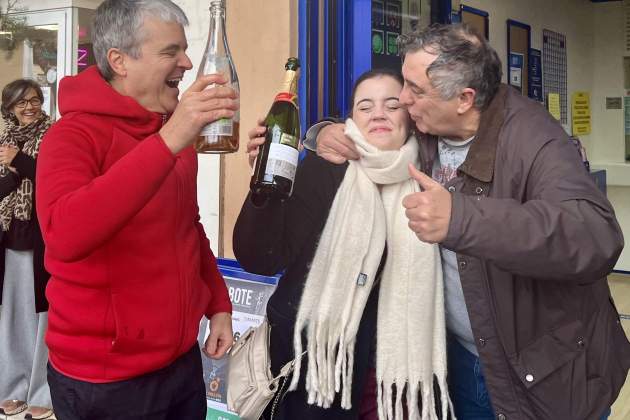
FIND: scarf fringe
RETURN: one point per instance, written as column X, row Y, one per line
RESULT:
column 330, row 365
column 390, row 408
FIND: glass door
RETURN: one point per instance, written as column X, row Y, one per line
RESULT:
column 35, row 47
column 341, row 39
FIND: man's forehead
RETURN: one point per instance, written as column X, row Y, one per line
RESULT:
column 418, row 60
column 415, row 65
column 156, row 28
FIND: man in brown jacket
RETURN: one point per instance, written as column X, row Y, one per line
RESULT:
column 527, row 239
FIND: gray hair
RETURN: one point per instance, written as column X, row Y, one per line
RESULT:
column 464, row 60
column 118, row 24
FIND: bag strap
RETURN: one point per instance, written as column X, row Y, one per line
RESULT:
column 288, row 368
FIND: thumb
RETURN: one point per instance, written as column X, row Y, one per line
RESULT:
column 425, row 181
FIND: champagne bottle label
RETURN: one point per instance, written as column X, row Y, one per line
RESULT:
column 282, row 160
column 287, row 97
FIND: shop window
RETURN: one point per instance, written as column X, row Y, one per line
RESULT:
column 85, row 53
column 336, row 46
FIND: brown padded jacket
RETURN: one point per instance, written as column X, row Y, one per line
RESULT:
column 535, row 240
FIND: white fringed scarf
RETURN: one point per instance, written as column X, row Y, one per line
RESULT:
column 366, row 213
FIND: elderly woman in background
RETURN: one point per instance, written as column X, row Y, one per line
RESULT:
column 23, row 316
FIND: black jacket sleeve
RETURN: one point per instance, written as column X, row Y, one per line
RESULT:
column 25, row 165
column 269, row 237
column 8, row 183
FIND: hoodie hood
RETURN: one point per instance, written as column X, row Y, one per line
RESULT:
column 89, row 93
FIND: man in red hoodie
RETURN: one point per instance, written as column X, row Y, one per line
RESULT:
column 131, row 268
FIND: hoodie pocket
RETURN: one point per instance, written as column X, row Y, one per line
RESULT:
column 121, row 338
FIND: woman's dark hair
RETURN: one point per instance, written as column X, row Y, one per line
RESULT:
column 372, row 74
column 15, row 92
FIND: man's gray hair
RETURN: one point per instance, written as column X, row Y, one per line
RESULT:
column 118, row 24
column 464, row 60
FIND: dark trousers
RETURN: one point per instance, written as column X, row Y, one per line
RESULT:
column 175, row 392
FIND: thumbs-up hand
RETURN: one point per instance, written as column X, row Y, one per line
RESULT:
column 428, row 211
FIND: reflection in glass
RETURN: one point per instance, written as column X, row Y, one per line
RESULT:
column 32, row 53
column 391, row 18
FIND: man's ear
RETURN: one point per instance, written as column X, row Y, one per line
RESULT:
column 466, row 100
column 117, row 61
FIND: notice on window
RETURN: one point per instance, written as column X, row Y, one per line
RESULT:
column 553, row 105
column 581, row 113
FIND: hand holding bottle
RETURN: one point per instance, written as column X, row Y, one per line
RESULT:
column 256, row 139
column 275, row 168
column 221, row 136
column 198, row 107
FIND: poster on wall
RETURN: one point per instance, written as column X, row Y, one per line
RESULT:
column 392, row 43
column 387, row 24
column 378, row 14
column 378, row 42
column 393, row 15
column 535, row 75
column 553, row 105
column 516, row 70
column 393, row 25
column 581, row 113
column 555, row 69
column 249, row 294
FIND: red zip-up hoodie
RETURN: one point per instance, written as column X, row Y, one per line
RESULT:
column 131, row 268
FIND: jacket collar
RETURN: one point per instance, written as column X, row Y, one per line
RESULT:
column 480, row 159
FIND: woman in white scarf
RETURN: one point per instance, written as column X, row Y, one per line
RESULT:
column 337, row 252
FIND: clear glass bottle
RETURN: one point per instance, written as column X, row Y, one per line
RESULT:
column 221, row 136
column 277, row 161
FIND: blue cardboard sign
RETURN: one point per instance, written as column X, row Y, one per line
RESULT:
column 249, row 294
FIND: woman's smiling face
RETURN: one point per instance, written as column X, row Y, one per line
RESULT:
column 382, row 120
column 28, row 108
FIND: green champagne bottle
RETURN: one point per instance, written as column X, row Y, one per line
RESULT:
column 277, row 160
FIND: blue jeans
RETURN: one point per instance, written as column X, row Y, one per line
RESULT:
column 467, row 385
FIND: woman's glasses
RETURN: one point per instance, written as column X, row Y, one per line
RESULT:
column 35, row 103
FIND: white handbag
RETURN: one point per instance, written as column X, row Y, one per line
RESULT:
column 251, row 386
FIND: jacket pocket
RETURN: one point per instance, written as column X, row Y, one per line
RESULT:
column 553, row 371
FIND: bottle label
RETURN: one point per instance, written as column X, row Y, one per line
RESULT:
column 219, row 64
column 282, row 160
column 287, row 97
column 222, row 127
